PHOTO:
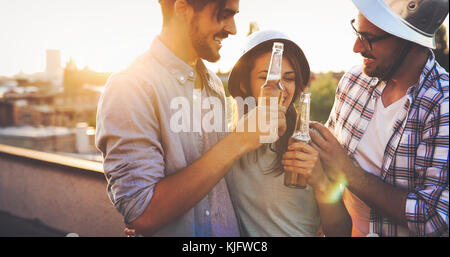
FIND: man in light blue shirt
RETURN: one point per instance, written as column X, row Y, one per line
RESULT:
column 164, row 181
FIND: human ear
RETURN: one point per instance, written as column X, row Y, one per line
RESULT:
column 183, row 10
column 243, row 88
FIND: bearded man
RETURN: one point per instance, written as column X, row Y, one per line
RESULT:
column 387, row 136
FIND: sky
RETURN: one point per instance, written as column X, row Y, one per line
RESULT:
column 106, row 35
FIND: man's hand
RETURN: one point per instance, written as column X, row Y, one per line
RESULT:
column 129, row 232
column 386, row 199
column 333, row 155
column 261, row 124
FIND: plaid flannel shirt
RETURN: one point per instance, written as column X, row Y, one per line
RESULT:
column 416, row 156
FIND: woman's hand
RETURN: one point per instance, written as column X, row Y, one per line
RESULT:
column 303, row 159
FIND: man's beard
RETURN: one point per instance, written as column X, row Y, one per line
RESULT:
column 379, row 72
column 200, row 43
column 385, row 72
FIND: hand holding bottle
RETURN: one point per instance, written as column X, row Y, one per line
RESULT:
column 262, row 124
column 301, row 158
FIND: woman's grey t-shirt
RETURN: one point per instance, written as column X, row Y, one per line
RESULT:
column 264, row 205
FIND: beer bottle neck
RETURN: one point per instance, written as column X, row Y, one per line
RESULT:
column 274, row 73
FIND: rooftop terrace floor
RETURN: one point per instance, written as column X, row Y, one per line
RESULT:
column 13, row 226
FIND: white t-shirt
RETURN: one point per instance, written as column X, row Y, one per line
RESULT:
column 369, row 154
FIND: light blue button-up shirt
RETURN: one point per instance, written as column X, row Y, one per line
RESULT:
column 140, row 148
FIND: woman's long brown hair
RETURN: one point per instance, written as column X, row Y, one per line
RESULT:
column 301, row 82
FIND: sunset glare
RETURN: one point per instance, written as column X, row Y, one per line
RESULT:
column 107, row 35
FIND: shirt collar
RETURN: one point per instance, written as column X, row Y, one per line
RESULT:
column 182, row 71
column 425, row 76
column 177, row 67
column 413, row 90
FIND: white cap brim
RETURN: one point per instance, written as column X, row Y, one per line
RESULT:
column 378, row 13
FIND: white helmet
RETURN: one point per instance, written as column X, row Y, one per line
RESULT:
column 266, row 38
column 413, row 20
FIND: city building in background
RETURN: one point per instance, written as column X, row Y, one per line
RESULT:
column 52, row 111
column 54, row 71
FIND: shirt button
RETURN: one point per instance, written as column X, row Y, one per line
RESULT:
column 207, row 213
column 191, row 74
column 182, row 79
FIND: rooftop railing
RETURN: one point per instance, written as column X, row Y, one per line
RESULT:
column 65, row 193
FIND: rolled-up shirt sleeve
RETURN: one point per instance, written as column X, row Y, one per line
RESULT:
column 128, row 135
column 427, row 207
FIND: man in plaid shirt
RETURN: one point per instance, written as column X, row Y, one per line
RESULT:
column 388, row 132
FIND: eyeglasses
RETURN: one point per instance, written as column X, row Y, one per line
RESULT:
column 367, row 42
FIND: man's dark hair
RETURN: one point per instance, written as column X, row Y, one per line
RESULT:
column 197, row 5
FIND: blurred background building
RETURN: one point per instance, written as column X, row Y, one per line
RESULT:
column 52, row 111
column 54, row 69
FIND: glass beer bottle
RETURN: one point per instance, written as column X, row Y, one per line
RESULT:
column 301, row 133
column 272, row 87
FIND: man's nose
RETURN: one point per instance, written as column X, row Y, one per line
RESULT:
column 230, row 27
column 358, row 46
